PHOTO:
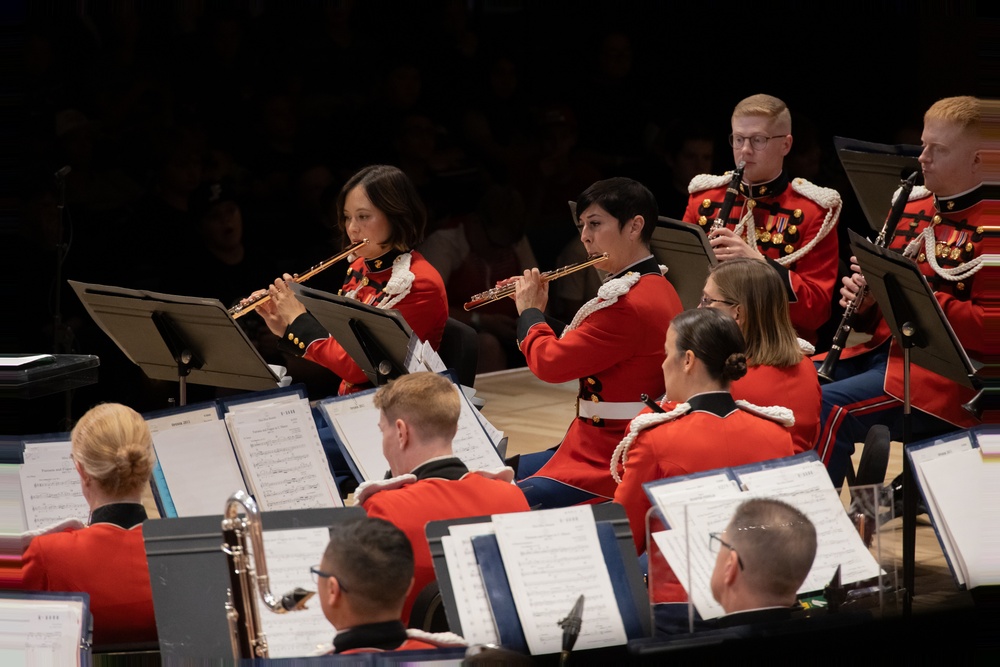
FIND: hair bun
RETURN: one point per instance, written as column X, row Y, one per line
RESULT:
column 735, row 367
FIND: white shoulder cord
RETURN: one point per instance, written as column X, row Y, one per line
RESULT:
column 607, row 295
column 641, row 423
column 929, row 240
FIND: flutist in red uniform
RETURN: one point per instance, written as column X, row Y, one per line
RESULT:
column 613, row 346
column 944, row 228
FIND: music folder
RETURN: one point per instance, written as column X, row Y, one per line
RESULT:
column 684, row 249
column 378, row 340
column 875, row 171
column 177, row 338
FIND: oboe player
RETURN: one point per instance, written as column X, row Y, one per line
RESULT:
column 943, row 229
column 614, row 345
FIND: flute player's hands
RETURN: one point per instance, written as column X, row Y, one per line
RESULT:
column 531, row 292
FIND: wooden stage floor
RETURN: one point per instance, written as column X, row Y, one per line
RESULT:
column 534, row 415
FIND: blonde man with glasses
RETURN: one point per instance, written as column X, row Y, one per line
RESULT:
column 784, row 222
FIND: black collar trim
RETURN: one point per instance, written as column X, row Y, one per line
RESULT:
column 451, row 468
column 718, row 403
column 949, row 205
column 123, row 515
column 642, row 267
column 382, row 262
column 386, row 636
column 772, row 188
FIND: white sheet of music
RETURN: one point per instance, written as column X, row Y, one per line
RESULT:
column 355, row 420
column 551, row 558
column 289, row 555
column 40, row 632
column 283, row 457
column 199, row 416
column 922, row 456
column 50, row 486
column 199, row 465
column 471, row 443
column 279, row 399
column 961, row 485
column 807, row 487
column 671, row 498
column 474, row 613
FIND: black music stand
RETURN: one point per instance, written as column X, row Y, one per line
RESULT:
column 685, row 251
column 922, row 330
column 187, row 339
column 188, row 573
column 875, row 171
column 377, row 340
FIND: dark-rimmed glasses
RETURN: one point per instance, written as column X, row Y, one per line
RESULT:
column 318, row 574
column 714, row 538
column 758, row 141
column 706, row 302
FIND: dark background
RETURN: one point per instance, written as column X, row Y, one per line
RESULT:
column 284, row 100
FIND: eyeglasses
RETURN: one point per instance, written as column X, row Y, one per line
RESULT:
column 318, row 574
column 714, row 538
column 706, row 302
column 758, row 141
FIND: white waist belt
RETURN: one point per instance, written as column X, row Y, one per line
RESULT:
column 590, row 409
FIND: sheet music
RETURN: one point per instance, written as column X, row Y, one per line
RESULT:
column 474, row 613
column 472, row 443
column 199, row 466
column 289, row 555
column 551, row 557
column 919, row 458
column 961, row 485
column 359, row 432
column 208, row 413
column 283, row 457
column 269, row 401
column 670, row 498
column 47, row 449
column 50, row 487
column 40, row 632
column 806, row 486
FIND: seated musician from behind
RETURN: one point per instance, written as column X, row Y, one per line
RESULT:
column 381, row 204
column 113, row 454
column 777, row 370
column 614, row 345
column 362, row 582
column 701, row 426
column 418, row 419
column 764, row 555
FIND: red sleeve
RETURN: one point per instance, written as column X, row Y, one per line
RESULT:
column 968, row 318
column 813, row 279
column 33, row 570
column 603, row 339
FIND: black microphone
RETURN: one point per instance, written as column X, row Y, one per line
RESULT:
column 571, row 629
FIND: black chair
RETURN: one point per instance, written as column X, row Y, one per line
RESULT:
column 874, row 458
column 460, row 350
column 428, row 613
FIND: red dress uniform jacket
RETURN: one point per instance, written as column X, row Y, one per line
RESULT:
column 616, row 354
column 714, row 434
column 794, row 387
column 961, row 234
column 425, row 309
column 440, row 489
column 787, row 217
column 108, row 562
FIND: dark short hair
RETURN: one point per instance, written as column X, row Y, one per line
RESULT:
column 714, row 338
column 373, row 560
column 393, row 193
column 623, row 198
column 777, row 543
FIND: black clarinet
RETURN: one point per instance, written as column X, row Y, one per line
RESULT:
column 722, row 217
column 829, row 366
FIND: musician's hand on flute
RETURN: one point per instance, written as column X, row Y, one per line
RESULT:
column 727, row 245
column 284, row 300
column 531, row 292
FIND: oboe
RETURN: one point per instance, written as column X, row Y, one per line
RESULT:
column 826, row 371
column 727, row 202
column 250, row 304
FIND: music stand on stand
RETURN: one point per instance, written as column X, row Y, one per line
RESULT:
column 684, row 249
column 923, row 332
column 379, row 341
column 875, row 171
column 187, row 339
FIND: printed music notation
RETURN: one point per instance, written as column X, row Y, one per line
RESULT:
column 41, row 632
column 283, row 457
column 289, row 555
column 551, row 557
column 50, row 485
column 474, row 613
column 697, row 506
